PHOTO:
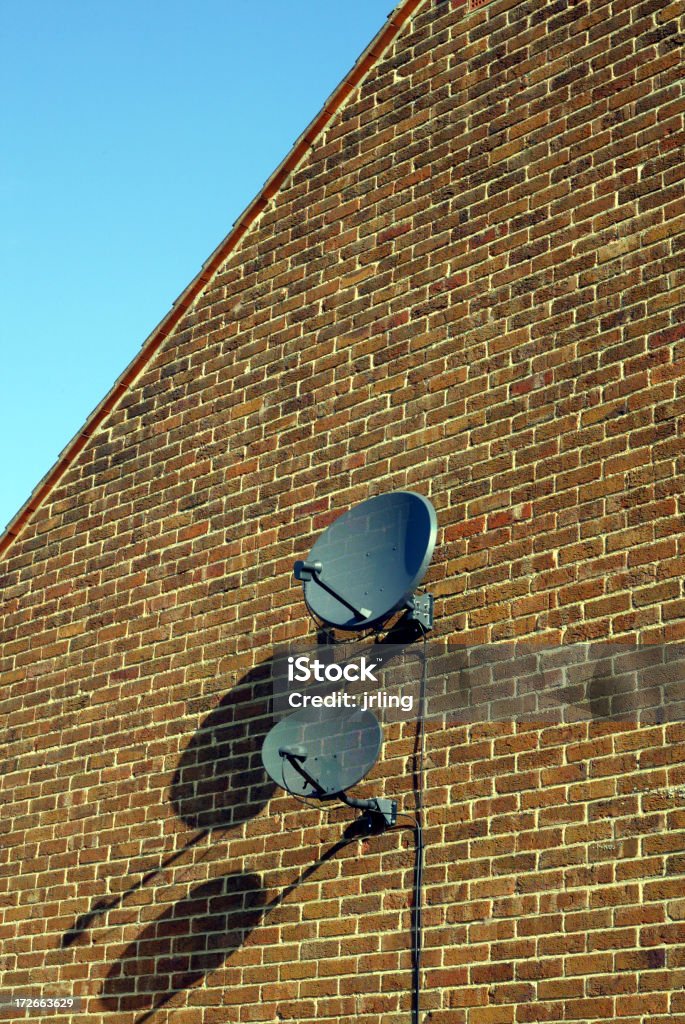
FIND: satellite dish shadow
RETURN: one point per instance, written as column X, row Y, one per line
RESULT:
column 219, row 782
column 195, row 937
column 192, row 938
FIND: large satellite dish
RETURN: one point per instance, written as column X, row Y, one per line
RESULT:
column 368, row 563
column 320, row 752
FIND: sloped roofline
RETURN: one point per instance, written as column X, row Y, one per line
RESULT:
column 368, row 59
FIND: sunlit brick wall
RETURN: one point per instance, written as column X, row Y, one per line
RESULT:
column 471, row 287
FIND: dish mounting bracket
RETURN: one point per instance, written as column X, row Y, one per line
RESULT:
column 421, row 610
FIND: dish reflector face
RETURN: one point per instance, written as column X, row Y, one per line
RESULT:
column 372, row 558
column 336, row 749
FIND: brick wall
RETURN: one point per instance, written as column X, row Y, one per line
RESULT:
column 471, row 286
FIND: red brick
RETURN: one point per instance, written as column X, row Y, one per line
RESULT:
column 467, row 286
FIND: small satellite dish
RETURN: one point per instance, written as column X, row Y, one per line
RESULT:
column 320, row 752
column 367, row 564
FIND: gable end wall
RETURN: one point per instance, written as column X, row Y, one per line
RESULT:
column 471, row 287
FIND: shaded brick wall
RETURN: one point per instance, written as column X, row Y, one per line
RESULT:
column 471, row 287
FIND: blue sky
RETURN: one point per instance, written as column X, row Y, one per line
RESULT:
column 133, row 135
